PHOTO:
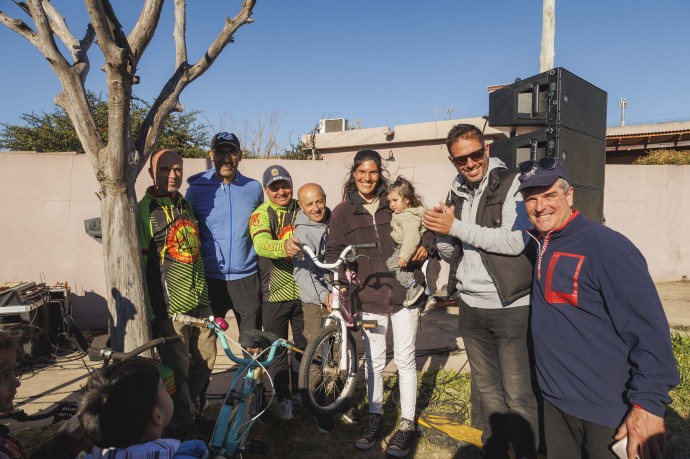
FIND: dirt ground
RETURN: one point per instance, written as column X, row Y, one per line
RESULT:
column 57, row 378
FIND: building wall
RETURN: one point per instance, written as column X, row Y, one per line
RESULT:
column 47, row 197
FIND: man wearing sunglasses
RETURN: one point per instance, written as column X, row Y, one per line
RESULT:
column 480, row 233
column 601, row 339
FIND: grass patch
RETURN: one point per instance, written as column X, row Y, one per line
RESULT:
column 678, row 418
column 439, row 391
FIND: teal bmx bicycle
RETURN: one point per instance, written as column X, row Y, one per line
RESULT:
column 244, row 400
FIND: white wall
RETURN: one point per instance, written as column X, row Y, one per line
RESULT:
column 46, row 198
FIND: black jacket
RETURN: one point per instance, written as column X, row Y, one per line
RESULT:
column 512, row 275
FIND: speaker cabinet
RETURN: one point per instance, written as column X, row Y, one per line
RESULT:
column 553, row 98
column 590, row 202
column 583, row 156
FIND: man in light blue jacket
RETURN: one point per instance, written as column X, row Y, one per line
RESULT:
column 223, row 200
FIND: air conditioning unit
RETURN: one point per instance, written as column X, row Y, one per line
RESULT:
column 331, row 125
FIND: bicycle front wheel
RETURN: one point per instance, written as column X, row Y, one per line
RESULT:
column 324, row 388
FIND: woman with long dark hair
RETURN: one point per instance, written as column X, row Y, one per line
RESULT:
column 364, row 217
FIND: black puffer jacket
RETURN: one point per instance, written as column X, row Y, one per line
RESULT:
column 379, row 291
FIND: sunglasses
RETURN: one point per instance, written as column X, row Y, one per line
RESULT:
column 459, row 161
column 548, row 163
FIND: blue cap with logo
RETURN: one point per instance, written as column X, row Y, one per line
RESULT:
column 225, row 138
column 276, row 173
column 539, row 175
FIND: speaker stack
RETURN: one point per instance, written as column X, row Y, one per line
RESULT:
column 556, row 114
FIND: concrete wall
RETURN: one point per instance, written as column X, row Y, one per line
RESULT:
column 47, row 197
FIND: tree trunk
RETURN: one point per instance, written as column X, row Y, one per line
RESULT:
column 128, row 321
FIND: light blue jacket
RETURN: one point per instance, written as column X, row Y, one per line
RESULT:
column 223, row 212
column 163, row 448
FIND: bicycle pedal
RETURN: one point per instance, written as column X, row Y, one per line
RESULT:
column 257, row 446
column 369, row 324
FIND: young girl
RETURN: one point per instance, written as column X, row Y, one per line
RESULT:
column 406, row 230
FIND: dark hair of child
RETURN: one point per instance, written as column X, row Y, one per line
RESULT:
column 406, row 190
column 9, row 343
column 118, row 401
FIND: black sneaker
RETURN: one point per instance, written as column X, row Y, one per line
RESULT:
column 402, row 440
column 372, row 432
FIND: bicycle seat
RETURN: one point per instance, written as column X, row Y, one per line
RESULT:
column 257, row 339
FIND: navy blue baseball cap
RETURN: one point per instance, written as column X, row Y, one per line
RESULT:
column 275, row 173
column 540, row 173
column 225, row 138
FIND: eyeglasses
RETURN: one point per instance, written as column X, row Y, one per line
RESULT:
column 223, row 153
column 548, row 163
column 460, row 161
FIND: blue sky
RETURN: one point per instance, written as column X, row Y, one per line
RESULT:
column 383, row 62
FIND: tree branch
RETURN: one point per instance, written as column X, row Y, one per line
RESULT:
column 180, row 32
column 223, row 39
column 73, row 98
column 78, row 48
column 104, row 30
column 143, row 30
column 59, row 27
column 168, row 99
column 20, row 27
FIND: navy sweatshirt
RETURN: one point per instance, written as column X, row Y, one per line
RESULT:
column 601, row 338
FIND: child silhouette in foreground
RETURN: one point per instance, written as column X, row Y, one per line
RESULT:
column 123, row 412
column 9, row 354
column 406, row 230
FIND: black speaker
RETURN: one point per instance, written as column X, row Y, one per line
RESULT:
column 553, row 98
column 583, row 156
column 590, row 202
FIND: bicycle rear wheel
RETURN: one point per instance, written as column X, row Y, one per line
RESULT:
column 324, row 388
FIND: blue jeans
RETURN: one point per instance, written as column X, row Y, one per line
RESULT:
column 498, row 352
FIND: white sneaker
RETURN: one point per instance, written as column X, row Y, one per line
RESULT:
column 285, row 407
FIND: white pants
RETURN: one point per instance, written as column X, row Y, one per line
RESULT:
column 404, row 324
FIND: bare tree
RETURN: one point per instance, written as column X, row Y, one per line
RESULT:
column 118, row 162
column 260, row 139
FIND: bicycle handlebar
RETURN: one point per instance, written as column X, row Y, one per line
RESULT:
column 341, row 258
column 219, row 325
column 108, row 353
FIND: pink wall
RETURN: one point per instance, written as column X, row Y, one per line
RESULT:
column 47, row 197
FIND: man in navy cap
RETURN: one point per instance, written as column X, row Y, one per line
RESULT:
column 601, row 340
column 271, row 227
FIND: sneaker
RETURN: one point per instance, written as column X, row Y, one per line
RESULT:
column 351, row 416
column 431, row 303
column 402, row 440
column 372, row 432
column 324, row 424
column 413, row 294
column 296, row 399
column 285, row 407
